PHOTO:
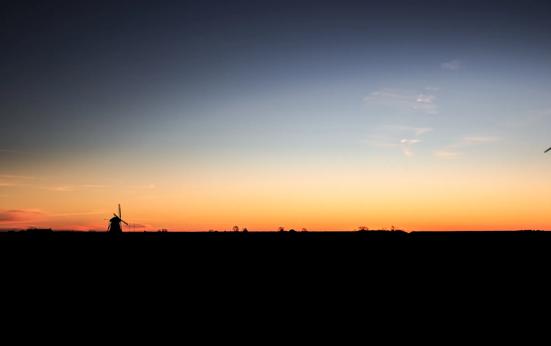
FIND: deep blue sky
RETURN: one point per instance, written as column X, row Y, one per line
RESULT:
column 99, row 71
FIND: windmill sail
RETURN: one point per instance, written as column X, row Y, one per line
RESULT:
column 120, row 216
column 121, row 220
column 115, row 222
column 547, row 150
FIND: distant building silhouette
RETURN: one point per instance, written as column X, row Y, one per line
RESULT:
column 115, row 225
column 115, row 222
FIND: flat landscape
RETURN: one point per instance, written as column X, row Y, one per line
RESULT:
column 265, row 244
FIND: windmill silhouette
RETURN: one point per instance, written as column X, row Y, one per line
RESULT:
column 115, row 222
column 547, row 150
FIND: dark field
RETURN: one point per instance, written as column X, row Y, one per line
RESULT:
column 277, row 245
column 222, row 261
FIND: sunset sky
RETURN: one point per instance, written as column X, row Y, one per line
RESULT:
column 328, row 115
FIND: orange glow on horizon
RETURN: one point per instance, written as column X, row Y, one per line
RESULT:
column 335, row 199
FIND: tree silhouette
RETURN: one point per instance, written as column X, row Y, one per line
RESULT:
column 235, row 228
column 281, row 229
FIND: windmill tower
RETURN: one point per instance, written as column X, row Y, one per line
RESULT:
column 115, row 222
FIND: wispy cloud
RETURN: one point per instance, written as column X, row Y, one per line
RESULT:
column 11, row 180
column 423, row 102
column 138, row 226
column 150, row 187
column 6, row 184
column 94, row 186
column 28, row 218
column 400, row 137
column 14, row 176
column 19, row 215
column 60, row 188
column 84, row 213
column 144, row 187
column 457, row 149
column 419, row 131
column 432, row 89
column 73, row 188
column 66, row 188
column 453, row 65
column 406, row 144
column 446, row 153
column 473, row 140
column 410, row 141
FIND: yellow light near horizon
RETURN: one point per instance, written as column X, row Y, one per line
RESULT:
column 317, row 198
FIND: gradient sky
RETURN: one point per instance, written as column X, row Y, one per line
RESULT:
column 197, row 115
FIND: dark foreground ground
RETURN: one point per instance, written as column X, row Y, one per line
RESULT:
column 218, row 262
column 276, row 246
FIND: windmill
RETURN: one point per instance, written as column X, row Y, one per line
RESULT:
column 115, row 222
column 547, row 150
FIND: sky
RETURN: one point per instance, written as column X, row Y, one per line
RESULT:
column 327, row 115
